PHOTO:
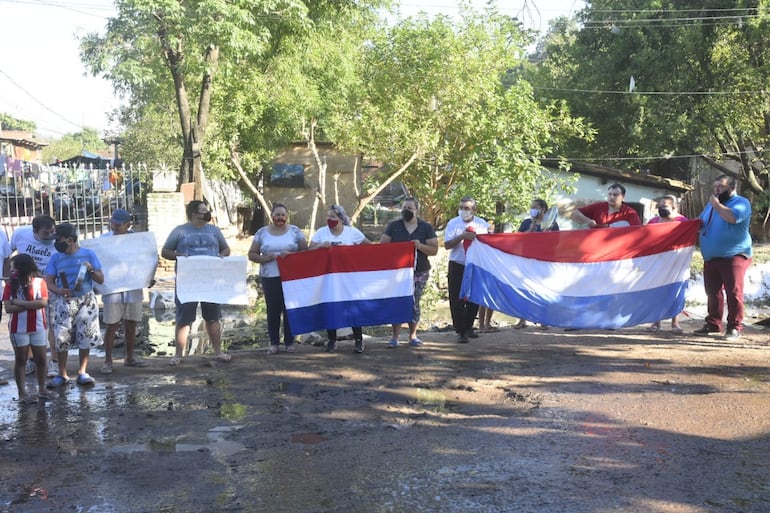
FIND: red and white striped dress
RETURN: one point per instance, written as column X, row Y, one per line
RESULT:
column 28, row 321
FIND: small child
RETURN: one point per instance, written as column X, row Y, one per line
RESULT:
column 25, row 297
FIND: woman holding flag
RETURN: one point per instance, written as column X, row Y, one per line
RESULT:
column 338, row 232
column 277, row 239
column 411, row 228
column 667, row 213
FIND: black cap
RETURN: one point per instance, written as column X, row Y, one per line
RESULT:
column 66, row 230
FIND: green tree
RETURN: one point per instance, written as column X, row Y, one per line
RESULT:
column 156, row 51
column 150, row 136
column 72, row 145
column 698, row 68
column 296, row 93
column 444, row 106
column 8, row 122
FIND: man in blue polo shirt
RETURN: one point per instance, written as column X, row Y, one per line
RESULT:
column 725, row 244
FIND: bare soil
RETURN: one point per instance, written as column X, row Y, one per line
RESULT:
column 533, row 420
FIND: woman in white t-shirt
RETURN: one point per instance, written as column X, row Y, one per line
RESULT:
column 275, row 240
column 338, row 232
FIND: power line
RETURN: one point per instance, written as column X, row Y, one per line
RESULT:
column 655, row 93
column 38, row 101
column 86, row 9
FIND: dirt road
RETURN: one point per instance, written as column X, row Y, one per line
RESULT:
column 516, row 421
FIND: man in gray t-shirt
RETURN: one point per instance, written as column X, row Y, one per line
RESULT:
column 197, row 238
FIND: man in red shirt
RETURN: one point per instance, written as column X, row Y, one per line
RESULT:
column 613, row 213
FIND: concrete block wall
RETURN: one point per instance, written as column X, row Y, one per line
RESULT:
column 165, row 211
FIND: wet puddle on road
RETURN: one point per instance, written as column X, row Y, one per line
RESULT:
column 217, row 445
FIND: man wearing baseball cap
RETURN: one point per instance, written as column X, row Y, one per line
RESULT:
column 125, row 306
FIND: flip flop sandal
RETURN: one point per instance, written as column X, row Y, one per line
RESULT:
column 31, row 399
column 175, row 361
column 49, row 395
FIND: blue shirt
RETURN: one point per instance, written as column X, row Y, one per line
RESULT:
column 720, row 239
column 70, row 266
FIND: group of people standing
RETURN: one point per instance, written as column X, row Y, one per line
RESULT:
column 51, row 277
column 279, row 239
column 725, row 244
column 50, row 297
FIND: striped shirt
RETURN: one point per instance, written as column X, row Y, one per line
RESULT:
column 28, row 321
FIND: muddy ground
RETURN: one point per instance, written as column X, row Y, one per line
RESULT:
column 541, row 421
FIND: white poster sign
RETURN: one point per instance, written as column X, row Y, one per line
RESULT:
column 212, row 280
column 128, row 261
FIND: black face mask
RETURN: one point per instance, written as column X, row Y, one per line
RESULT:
column 61, row 247
column 664, row 212
column 723, row 197
column 408, row 215
column 207, row 216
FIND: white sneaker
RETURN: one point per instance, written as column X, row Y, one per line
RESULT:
column 53, row 368
column 29, row 367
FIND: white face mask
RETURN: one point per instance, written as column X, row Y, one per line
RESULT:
column 534, row 212
column 466, row 215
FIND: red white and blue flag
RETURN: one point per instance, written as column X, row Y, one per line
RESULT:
column 601, row 278
column 345, row 286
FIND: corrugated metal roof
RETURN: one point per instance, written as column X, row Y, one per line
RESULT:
column 620, row 175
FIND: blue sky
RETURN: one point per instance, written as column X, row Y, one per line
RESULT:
column 43, row 80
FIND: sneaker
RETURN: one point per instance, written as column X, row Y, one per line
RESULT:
column 706, row 329
column 272, row 349
column 291, row 349
column 732, row 334
column 392, row 343
column 331, row 346
column 57, row 381
column 462, row 338
column 473, row 334
column 85, row 379
column 29, row 367
column 53, row 368
column 358, row 347
column 415, row 342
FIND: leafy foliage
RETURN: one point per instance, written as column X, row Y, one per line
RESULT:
column 450, row 94
column 8, row 122
column 72, row 145
column 698, row 69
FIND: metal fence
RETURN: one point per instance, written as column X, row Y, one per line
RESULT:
column 85, row 197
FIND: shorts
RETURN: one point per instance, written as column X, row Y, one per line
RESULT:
column 185, row 313
column 112, row 313
column 33, row 338
column 77, row 322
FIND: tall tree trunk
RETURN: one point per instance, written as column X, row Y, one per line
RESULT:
column 193, row 129
column 319, row 196
column 372, row 193
column 235, row 159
